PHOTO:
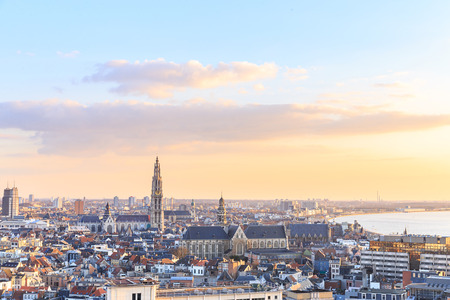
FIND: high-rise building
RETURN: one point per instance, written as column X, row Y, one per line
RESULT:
column 57, row 203
column 222, row 212
column 131, row 201
column 156, row 210
column 146, row 200
column 79, row 207
column 116, row 202
column 10, row 202
column 31, row 198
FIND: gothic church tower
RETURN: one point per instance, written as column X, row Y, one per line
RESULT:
column 156, row 210
column 222, row 212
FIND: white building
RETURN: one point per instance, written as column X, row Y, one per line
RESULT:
column 430, row 262
column 389, row 264
column 131, row 291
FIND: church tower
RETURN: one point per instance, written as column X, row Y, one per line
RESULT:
column 193, row 210
column 108, row 222
column 222, row 212
column 156, row 210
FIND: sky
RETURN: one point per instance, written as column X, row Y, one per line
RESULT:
column 252, row 99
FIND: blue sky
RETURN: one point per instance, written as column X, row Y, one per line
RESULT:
column 344, row 39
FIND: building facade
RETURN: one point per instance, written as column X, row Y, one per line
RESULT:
column 215, row 241
column 79, row 207
column 389, row 264
column 10, row 202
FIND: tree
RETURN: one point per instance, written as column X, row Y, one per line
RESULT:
column 180, row 252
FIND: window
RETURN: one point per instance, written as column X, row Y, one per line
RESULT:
column 136, row 296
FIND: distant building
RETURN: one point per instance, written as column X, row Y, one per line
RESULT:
column 146, row 200
column 116, row 202
column 131, row 201
column 10, row 202
column 121, row 224
column 79, row 207
column 31, row 198
column 310, row 204
column 222, row 212
column 286, row 205
column 57, row 203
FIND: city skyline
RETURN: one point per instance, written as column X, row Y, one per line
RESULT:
column 297, row 100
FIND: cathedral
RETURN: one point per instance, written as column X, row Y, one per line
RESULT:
column 125, row 223
column 216, row 241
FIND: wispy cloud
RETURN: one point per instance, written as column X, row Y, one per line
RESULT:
column 295, row 74
column 259, row 87
column 160, row 78
column 27, row 53
column 70, row 128
column 71, row 54
column 390, row 85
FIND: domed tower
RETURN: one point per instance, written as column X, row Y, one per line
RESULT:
column 222, row 212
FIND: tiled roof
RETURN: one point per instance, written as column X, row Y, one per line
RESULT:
column 309, row 229
column 90, row 219
column 133, row 218
column 265, row 232
column 232, row 230
column 205, row 233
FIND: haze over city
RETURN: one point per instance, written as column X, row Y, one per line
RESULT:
column 258, row 100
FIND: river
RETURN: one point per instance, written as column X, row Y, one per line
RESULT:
column 428, row 223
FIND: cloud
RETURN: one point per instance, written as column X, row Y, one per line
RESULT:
column 404, row 96
column 69, row 128
column 19, row 52
column 71, row 54
column 295, row 74
column 259, row 87
column 159, row 78
column 389, row 85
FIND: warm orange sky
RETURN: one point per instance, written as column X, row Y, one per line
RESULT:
column 296, row 100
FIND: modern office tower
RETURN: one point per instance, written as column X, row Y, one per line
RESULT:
column 31, row 198
column 79, row 207
column 131, row 201
column 156, row 210
column 57, row 203
column 10, row 202
column 116, row 201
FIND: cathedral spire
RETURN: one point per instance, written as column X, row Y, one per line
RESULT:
column 156, row 210
column 107, row 212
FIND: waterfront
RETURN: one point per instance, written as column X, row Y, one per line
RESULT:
column 429, row 223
